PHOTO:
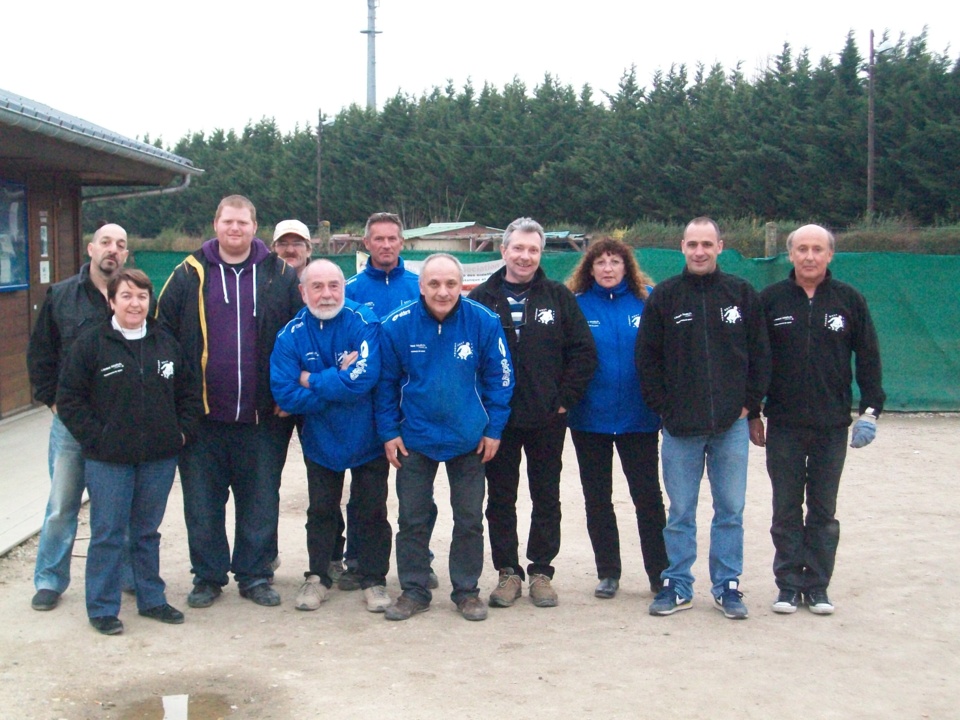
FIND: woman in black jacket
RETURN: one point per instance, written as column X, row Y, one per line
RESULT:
column 130, row 401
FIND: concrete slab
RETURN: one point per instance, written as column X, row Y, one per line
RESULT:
column 24, row 476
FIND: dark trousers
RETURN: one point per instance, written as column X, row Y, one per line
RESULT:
column 325, row 523
column 415, row 496
column 247, row 459
column 543, row 447
column 803, row 461
column 639, row 458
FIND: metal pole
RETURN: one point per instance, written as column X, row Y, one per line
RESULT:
column 319, row 174
column 870, row 134
column 371, row 33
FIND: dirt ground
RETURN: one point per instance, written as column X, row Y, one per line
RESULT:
column 890, row 650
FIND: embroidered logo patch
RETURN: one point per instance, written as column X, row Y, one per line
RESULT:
column 463, row 350
column 165, row 368
column 731, row 315
column 545, row 316
column 783, row 320
column 634, row 321
column 834, row 322
column 683, row 317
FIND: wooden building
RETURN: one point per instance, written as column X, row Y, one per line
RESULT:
column 47, row 159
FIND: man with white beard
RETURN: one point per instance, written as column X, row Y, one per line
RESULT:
column 324, row 366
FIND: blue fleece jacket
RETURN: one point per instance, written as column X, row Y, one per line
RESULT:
column 383, row 292
column 338, row 428
column 612, row 404
column 443, row 385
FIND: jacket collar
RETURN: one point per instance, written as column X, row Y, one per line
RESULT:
column 382, row 275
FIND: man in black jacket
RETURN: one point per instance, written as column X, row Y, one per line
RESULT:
column 816, row 324
column 225, row 304
column 71, row 306
column 704, row 363
column 554, row 358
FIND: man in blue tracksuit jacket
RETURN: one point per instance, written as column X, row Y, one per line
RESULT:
column 325, row 365
column 444, row 396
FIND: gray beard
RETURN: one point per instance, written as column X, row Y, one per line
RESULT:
column 326, row 313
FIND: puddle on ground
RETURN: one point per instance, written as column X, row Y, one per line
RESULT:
column 199, row 706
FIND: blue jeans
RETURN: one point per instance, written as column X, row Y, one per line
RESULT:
column 725, row 454
column 60, row 519
column 123, row 496
column 248, row 459
column 415, row 495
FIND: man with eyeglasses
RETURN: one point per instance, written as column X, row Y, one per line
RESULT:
column 291, row 241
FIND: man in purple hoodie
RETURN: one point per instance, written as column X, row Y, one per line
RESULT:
column 225, row 304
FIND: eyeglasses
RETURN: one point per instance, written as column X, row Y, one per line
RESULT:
column 290, row 243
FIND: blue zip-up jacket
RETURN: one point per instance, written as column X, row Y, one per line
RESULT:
column 443, row 385
column 383, row 292
column 612, row 404
column 338, row 428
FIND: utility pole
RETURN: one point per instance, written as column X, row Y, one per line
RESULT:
column 319, row 175
column 871, row 131
column 371, row 33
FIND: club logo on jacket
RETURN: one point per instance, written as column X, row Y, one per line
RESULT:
column 545, row 316
column 834, row 322
column 361, row 366
column 634, row 320
column 683, row 317
column 783, row 320
column 731, row 315
column 463, row 350
column 165, row 369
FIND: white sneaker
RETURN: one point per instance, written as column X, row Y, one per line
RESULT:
column 377, row 598
column 311, row 594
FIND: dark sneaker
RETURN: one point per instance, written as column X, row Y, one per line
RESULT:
column 349, row 581
column 508, row 589
column 607, row 588
column 203, row 595
column 164, row 613
column 787, row 602
column 107, row 624
column 261, row 594
column 730, row 602
column 274, row 564
column 472, row 608
column 433, row 582
column 45, row 600
column 818, row 603
column 667, row 601
column 404, row 608
column 541, row 591
column 334, row 570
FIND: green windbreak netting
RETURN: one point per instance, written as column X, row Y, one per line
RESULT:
column 914, row 300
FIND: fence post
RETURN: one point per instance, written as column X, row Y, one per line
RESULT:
column 770, row 246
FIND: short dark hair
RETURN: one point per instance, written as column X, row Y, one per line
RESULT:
column 137, row 278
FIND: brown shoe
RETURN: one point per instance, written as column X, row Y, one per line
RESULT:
column 508, row 589
column 404, row 608
column 472, row 608
column 541, row 592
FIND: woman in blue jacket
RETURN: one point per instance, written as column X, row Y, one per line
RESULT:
column 611, row 291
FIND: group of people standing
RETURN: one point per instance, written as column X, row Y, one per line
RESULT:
column 393, row 368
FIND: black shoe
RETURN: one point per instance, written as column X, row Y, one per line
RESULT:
column 261, row 594
column 45, row 600
column 164, row 613
column 203, row 595
column 787, row 602
column 433, row 582
column 818, row 602
column 404, row 608
column 350, row 580
column 607, row 588
column 107, row 624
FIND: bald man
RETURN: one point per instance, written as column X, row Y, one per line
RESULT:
column 816, row 325
column 325, row 365
column 70, row 307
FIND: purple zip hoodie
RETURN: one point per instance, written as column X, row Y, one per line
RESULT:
column 231, row 317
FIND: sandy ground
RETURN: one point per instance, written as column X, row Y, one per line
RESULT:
column 891, row 649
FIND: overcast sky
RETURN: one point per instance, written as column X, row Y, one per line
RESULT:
column 165, row 69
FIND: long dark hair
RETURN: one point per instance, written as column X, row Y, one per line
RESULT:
column 581, row 279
